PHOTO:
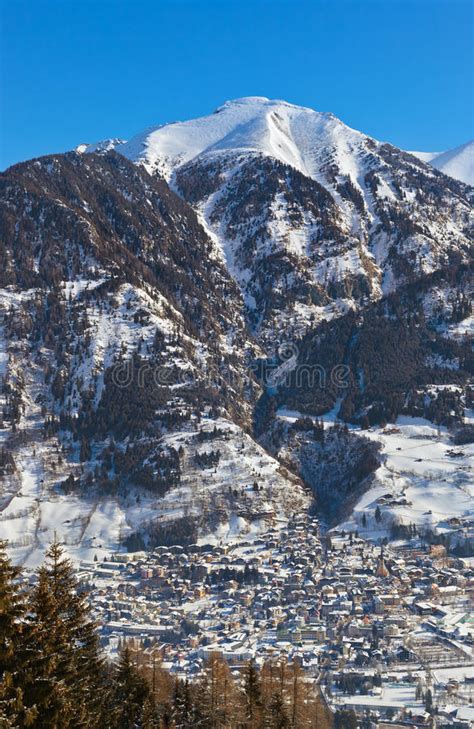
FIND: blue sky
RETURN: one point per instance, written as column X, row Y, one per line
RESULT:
column 77, row 71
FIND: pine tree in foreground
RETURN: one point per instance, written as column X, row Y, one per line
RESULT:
column 185, row 711
column 67, row 648
column 276, row 714
column 12, row 647
column 80, row 649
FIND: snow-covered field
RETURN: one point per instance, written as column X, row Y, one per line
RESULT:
column 423, row 480
column 242, row 463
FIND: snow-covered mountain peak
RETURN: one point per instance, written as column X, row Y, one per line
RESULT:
column 244, row 100
column 104, row 146
column 295, row 135
column 261, row 101
column 303, row 210
column 303, row 138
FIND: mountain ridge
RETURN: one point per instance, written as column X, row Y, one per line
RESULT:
column 213, row 162
column 156, row 148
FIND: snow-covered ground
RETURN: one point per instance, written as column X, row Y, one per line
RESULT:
column 464, row 328
column 242, row 463
column 457, row 162
column 3, row 353
column 35, row 510
column 423, row 479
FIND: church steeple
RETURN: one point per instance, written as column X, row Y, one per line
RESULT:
column 382, row 569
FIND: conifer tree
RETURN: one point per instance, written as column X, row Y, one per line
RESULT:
column 253, row 696
column 219, row 700
column 185, row 713
column 81, row 629
column 276, row 715
column 50, row 675
column 131, row 694
column 12, row 653
column 66, row 645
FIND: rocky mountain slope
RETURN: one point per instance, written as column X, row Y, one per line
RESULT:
column 119, row 327
column 310, row 217
column 163, row 300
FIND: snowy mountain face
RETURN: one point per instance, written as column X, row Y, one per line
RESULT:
column 145, row 284
column 117, row 327
column 309, row 216
column 457, row 163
